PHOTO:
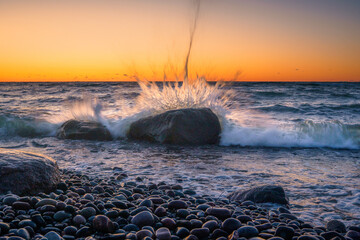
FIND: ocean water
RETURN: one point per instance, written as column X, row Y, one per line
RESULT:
column 302, row 136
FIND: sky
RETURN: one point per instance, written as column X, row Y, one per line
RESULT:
column 243, row 40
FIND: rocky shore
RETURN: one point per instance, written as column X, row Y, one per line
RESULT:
column 84, row 208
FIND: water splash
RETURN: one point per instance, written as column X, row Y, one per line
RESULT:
column 308, row 134
column 86, row 109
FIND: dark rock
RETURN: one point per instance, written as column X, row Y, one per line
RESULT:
column 21, row 206
column 83, row 232
column 88, row 212
column 143, row 219
column 102, row 223
column 200, row 232
column 27, row 173
column 70, row 230
column 354, row 235
column 144, row 233
column 131, row 227
column 10, row 200
column 263, row 226
column 247, row 232
column 287, row 216
column 168, row 223
column 244, row 218
column 285, row 232
column 182, row 232
column 267, row 193
column 160, row 212
column 330, row 235
column 163, row 234
column 221, row 213
column 231, row 224
column 79, row 220
column 61, row 215
column 27, row 222
column 336, row 225
column 191, row 237
column 38, row 219
column 219, row 233
column 307, row 237
column 211, row 225
column 22, row 232
column 183, row 126
column 89, row 130
column 265, row 235
column 46, row 201
column 53, row 236
column 177, row 204
column 234, row 235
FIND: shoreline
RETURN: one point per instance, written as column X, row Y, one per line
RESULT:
column 99, row 208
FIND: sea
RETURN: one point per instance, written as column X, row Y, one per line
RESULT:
column 304, row 137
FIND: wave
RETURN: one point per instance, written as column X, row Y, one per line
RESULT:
column 15, row 126
column 305, row 134
column 239, row 126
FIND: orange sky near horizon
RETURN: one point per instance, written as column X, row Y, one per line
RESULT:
column 263, row 40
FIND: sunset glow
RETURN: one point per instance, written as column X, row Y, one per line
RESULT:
column 113, row 40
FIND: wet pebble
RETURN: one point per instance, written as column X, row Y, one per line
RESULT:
column 163, row 233
column 144, row 218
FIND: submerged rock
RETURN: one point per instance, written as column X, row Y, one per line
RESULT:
column 262, row 194
column 88, row 130
column 27, row 173
column 183, row 126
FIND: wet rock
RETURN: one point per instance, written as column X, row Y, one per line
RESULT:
column 191, row 237
column 168, row 223
column 221, row 213
column 247, row 232
column 88, row 212
column 144, row 233
column 336, row 225
column 79, row 220
column 61, row 215
column 88, row 130
column 262, row 194
column 46, row 201
column 22, row 232
column 354, row 235
column 160, row 212
column 307, row 237
column 70, row 230
column 53, row 236
column 331, row 235
column 143, row 219
column 231, row 224
column 10, row 200
column 244, row 218
column 163, row 234
column 285, row 232
column 177, row 204
column 102, row 223
column 200, row 232
column 211, row 225
column 182, row 232
column 183, row 126
column 27, row 173
column 21, row 206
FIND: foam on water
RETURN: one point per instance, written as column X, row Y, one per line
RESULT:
column 240, row 127
column 332, row 134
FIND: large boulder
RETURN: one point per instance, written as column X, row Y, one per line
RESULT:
column 262, row 194
column 89, row 130
column 25, row 173
column 183, row 126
